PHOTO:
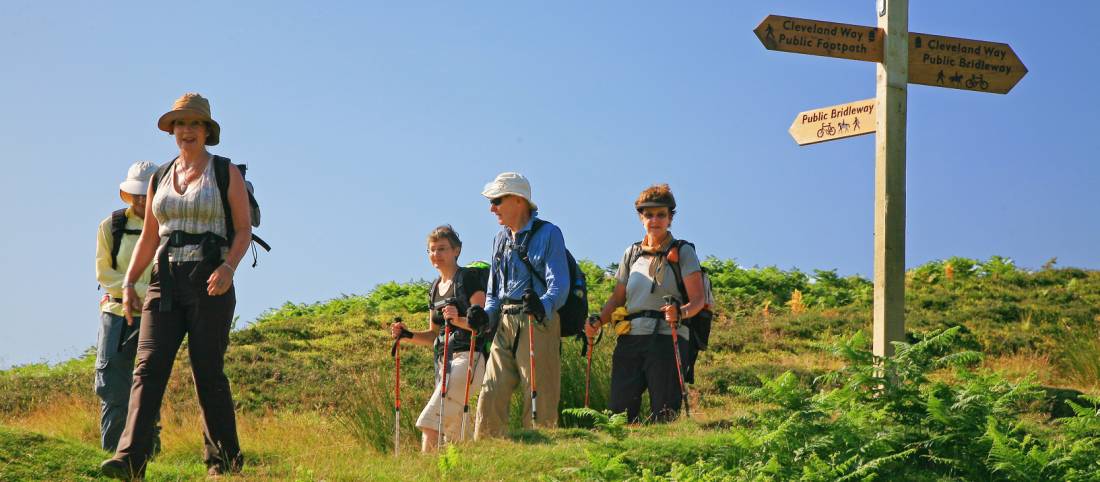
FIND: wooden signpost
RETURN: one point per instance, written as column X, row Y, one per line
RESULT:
column 902, row 58
column 836, row 122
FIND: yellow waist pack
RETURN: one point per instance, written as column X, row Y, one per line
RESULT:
column 622, row 325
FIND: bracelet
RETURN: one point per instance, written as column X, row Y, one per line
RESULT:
column 127, row 285
column 231, row 269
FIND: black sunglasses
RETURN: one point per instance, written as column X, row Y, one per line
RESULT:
column 497, row 200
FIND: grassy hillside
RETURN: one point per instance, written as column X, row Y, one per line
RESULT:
column 314, row 385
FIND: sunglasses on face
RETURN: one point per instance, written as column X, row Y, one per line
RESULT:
column 651, row 214
column 497, row 200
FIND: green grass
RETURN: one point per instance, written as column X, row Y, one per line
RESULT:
column 314, row 382
column 30, row 456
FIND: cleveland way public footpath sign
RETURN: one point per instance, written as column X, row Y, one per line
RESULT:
column 815, row 37
column 902, row 58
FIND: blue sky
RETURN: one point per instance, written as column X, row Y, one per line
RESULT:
column 365, row 124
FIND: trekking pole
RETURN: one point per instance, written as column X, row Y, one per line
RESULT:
column 469, row 377
column 445, row 366
column 588, row 368
column 443, row 386
column 396, row 353
column 531, row 355
column 669, row 300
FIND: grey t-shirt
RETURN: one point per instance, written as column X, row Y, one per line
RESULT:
column 639, row 285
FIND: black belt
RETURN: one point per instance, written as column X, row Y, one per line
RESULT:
column 660, row 315
column 211, row 254
column 511, row 307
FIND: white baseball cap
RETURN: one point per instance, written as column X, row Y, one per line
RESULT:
column 137, row 179
column 512, row 183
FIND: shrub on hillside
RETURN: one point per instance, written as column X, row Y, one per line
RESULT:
column 887, row 419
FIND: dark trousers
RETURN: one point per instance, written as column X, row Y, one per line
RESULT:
column 206, row 321
column 642, row 362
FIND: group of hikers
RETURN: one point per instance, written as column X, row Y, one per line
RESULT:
column 495, row 329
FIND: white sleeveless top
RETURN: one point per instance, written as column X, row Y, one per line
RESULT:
column 198, row 210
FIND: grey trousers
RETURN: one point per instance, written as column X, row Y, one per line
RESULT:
column 114, row 367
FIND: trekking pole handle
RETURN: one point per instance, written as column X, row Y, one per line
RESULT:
column 404, row 334
column 671, row 300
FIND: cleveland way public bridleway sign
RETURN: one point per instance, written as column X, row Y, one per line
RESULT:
column 959, row 63
column 901, row 58
column 836, row 122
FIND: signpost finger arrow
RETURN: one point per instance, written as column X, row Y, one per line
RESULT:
column 836, row 122
column 815, row 37
column 959, row 63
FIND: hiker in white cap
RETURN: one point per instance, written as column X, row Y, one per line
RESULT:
column 523, row 299
column 114, row 363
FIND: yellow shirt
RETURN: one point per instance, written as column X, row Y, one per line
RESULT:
column 111, row 279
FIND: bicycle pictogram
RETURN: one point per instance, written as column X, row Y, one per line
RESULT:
column 826, row 128
column 977, row 80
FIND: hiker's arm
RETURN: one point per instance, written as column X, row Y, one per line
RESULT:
column 456, row 318
column 617, row 299
column 618, row 295
column 418, row 338
column 694, row 285
column 557, row 272
column 693, row 281
column 222, row 278
column 143, row 255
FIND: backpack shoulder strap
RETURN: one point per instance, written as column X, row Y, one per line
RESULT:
column 523, row 249
column 635, row 253
column 118, row 229
column 221, row 175
column 162, row 171
column 460, row 291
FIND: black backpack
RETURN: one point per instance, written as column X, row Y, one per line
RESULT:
column 575, row 310
column 701, row 322
column 221, row 175
column 118, row 230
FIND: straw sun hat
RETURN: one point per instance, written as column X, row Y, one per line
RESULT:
column 192, row 105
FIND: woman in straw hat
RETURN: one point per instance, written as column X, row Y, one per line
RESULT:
column 198, row 244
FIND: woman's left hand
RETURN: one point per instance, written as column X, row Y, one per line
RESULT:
column 220, row 280
column 450, row 313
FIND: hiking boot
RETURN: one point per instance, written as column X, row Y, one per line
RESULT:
column 218, row 470
column 118, row 469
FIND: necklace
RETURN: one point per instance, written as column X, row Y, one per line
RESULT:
column 185, row 177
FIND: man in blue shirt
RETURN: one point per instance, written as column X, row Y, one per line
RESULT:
column 517, row 294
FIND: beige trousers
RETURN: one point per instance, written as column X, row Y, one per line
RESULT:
column 507, row 371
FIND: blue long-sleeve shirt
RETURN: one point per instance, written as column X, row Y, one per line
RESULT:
column 546, row 250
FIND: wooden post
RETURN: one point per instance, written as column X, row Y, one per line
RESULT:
column 891, row 93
